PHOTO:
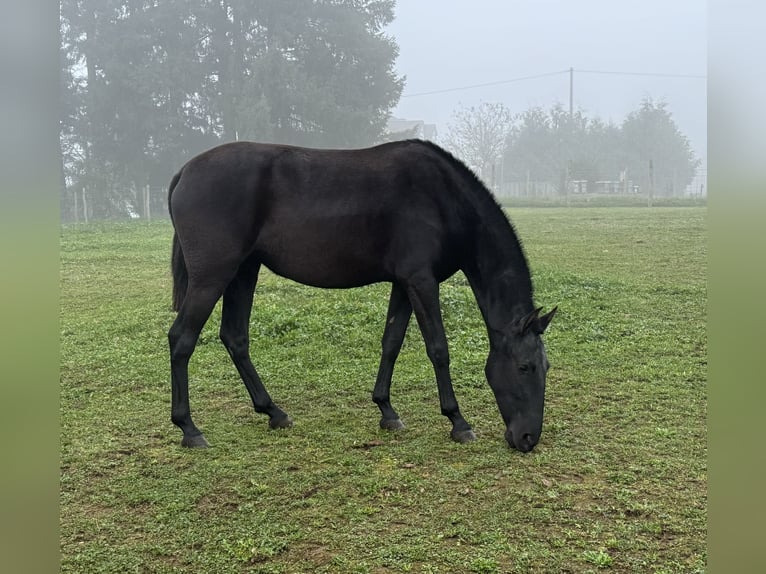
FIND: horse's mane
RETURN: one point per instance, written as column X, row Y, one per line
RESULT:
column 491, row 212
column 489, row 208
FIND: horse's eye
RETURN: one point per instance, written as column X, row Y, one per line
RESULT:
column 524, row 368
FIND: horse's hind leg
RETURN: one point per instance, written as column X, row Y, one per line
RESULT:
column 397, row 319
column 235, row 324
column 194, row 312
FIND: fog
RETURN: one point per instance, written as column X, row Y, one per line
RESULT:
column 582, row 98
column 448, row 45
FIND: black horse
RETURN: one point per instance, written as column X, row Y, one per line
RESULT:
column 408, row 213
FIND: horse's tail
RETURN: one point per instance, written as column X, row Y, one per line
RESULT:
column 171, row 187
column 178, row 264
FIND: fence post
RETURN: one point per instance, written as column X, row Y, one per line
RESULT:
column 147, row 202
column 84, row 204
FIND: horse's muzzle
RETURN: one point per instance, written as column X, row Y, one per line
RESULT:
column 524, row 443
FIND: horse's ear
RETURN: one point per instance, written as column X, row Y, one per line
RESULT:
column 542, row 322
column 529, row 320
column 536, row 323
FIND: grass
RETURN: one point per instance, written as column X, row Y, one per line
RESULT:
column 617, row 484
column 603, row 200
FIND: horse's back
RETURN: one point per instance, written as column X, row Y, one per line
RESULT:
column 330, row 218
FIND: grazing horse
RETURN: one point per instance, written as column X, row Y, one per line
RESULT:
column 408, row 213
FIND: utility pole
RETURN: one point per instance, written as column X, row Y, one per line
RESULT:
column 571, row 91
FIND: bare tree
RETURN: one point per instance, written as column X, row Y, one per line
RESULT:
column 477, row 135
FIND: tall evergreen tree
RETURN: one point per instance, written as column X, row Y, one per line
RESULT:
column 651, row 135
column 146, row 84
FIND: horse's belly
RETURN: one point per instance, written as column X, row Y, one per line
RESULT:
column 324, row 262
column 351, row 251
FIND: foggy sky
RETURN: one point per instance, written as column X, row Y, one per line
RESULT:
column 445, row 45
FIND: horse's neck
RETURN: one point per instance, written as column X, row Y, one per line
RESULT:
column 499, row 277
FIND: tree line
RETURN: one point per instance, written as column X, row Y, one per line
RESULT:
column 147, row 84
column 645, row 153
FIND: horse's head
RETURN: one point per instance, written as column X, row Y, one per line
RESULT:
column 516, row 370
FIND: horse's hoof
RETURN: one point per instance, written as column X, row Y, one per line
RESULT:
column 283, row 423
column 196, row 441
column 391, row 424
column 463, row 436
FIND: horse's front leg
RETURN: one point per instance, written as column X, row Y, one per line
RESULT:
column 397, row 319
column 423, row 292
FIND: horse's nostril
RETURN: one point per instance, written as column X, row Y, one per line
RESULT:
column 524, row 443
column 527, row 442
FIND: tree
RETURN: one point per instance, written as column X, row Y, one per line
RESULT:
column 478, row 136
column 128, row 86
column 148, row 84
column 323, row 75
column 651, row 134
column 604, row 150
column 553, row 146
column 557, row 147
column 529, row 147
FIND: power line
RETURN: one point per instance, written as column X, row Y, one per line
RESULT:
column 655, row 74
column 547, row 74
column 444, row 91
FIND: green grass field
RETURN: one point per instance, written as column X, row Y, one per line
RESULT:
column 618, row 482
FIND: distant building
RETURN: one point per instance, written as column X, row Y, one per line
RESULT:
column 401, row 129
